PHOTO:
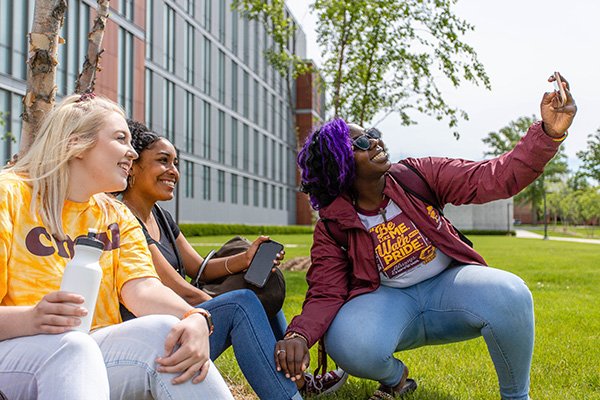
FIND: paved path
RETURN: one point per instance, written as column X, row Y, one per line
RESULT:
column 524, row 234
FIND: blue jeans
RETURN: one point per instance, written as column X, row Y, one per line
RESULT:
column 460, row 303
column 240, row 320
column 116, row 362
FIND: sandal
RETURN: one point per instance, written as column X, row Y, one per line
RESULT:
column 406, row 385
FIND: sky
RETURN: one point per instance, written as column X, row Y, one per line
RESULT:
column 520, row 43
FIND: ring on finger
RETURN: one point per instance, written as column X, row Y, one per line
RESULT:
column 280, row 351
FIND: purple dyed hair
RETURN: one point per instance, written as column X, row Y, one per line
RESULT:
column 326, row 162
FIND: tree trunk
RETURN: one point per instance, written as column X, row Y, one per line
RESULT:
column 86, row 81
column 44, row 39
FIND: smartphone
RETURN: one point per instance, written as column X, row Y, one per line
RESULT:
column 558, row 86
column 260, row 267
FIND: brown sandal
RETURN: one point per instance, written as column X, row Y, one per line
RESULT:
column 406, row 385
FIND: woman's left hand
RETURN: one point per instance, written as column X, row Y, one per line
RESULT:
column 557, row 119
column 192, row 357
column 254, row 247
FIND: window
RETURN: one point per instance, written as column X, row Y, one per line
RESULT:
column 191, row 8
column 265, row 155
column 190, row 54
column 19, row 39
column 207, row 14
column 222, row 5
column 189, row 122
column 246, row 190
column 148, row 101
column 234, row 189
column 246, row 148
column 273, row 197
column 280, row 198
column 246, row 36
column 6, row 36
column 149, row 29
column 256, row 147
column 257, row 50
column 246, row 94
column 207, row 65
column 206, row 134
column 265, row 108
column 234, row 85
column 235, row 19
column 127, row 9
column 265, row 186
column 234, row 142
column 169, row 111
column 169, row 39
column 256, row 193
column 221, row 186
column 256, row 101
column 221, row 83
column 281, row 163
column 125, row 74
column 221, row 133
column 188, row 172
column 206, row 182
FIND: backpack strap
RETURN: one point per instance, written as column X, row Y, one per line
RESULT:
column 336, row 233
column 413, row 182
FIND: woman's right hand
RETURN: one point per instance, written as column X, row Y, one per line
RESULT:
column 57, row 312
column 292, row 357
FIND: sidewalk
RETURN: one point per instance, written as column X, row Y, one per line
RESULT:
column 523, row 234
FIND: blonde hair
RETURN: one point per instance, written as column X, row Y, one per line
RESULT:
column 66, row 132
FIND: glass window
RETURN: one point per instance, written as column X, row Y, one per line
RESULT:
column 234, row 142
column 20, row 43
column 246, row 191
column 265, row 108
column 246, row 148
column 149, row 29
column 246, row 37
column 234, row 85
column 125, row 74
column 189, row 179
column 221, row 83
column 221, row 186
column 256, row 146
column 280, row 198
column 246, row 94
column 273, row 197
column 265, row 186
column 234, row 31
column 191, row 8
column 234, row 189
column 207, row 65
column 256, row 193
column 206, row 131
column 221, row 142
column 256, row 101
column 189, row 122
column 148, row 94
column 222, row 17
column 169, row 111
column 207, row 14
column 206, row 182
column 169, row 39
column 5, row 119
column 190, row 57
column 265, row 155
column 6, row 36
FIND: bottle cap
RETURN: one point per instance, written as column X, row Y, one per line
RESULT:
column 90, row 240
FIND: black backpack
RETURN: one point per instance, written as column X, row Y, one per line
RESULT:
column 413, row 183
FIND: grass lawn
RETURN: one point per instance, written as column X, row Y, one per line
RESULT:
column 565, row 281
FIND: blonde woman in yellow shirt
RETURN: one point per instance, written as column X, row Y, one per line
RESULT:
column 51, row 196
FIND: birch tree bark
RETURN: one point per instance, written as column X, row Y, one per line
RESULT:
column 86, row 81
column 44, row 39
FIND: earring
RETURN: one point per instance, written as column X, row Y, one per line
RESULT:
column 131, row 180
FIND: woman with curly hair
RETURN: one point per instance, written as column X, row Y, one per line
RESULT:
column 390, row 273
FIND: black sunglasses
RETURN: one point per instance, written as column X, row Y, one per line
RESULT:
column 363, row 142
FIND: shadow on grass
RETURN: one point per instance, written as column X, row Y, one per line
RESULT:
column 361, row 389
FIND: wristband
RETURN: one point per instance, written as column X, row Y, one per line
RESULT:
column 560, row 138
column 206, row 316
column 294, row 335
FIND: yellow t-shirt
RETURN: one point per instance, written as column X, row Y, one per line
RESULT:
column 32, row 261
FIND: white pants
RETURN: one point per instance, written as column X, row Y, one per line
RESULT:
column 115, row 362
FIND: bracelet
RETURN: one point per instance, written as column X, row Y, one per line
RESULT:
column 294, row 335
column 226, row 268
column 206, row 316
column 561, row 138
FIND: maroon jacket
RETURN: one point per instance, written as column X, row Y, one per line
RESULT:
column 337, row 276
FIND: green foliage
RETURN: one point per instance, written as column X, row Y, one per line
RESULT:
column 591, row 157
column 505, row 139
column 388, row 56
column 190, row 230
column 271, row 15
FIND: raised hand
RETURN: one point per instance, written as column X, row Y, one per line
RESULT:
column 557, row 119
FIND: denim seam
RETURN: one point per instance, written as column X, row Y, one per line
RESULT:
column 493, row 336
column 145, row 366
column 247, row 317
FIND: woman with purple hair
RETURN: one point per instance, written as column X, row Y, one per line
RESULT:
column 390, row 273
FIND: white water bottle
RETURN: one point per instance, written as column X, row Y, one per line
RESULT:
column 83, row 275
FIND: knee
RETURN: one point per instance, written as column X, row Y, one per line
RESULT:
column 80, row 346
column 243, row 299
column 358, row 355
column 512, row 292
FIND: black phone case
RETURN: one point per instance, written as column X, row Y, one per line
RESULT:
column 260, row 267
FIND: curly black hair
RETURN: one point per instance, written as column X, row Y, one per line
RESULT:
column 141, row 136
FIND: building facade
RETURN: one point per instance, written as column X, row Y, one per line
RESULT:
column 194, row 71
